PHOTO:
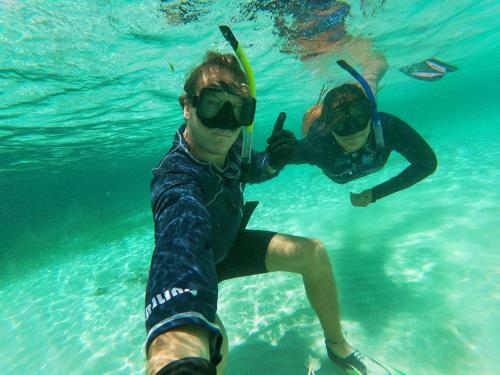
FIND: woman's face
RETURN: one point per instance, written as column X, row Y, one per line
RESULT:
column 355, row 141
column 215, row 141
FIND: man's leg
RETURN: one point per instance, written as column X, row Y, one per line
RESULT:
column 309, row 258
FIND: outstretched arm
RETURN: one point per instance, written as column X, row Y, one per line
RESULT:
column 416, row 150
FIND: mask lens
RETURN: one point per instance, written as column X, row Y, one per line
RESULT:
column 348, row 119
column 212, row 101
column 218, row 108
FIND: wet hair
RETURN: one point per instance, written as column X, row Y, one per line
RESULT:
column 344, row 103
column 212, row 60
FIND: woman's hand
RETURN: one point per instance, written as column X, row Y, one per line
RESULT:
column 362, row 199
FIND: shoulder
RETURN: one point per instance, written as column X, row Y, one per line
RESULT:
column 176, row 171
column 390, row 119
column 310, row 118
column 402, row 137
column 175, row 161
column 393, row 124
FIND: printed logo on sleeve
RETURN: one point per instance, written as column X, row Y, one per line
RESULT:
column 164, row 297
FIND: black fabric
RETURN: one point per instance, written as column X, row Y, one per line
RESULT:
column 281, row 148
column 189, row 366
column 247, row 255
column 321, row 149
column 197, row 210
column 248, row 210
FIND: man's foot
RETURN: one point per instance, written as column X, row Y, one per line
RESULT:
column 351, row 361
column 357, row 363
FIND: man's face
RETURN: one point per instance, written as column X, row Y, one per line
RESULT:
column 215, row 141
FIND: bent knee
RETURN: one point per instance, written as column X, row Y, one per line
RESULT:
column 295, row 254
column 315, row 256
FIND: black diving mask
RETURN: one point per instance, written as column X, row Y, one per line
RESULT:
column 220, row 106
column 347, row 119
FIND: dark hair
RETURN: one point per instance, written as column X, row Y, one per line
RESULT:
column 212, row 60
column 345, row 100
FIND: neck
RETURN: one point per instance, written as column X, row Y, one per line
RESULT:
column 202, row 154
column 355, row 142
column 351, row 149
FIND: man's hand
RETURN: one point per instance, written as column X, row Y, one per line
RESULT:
column 281, row 144
column 362, row 199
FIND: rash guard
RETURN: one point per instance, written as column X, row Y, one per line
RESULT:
column 197, row 211
column 321, row 149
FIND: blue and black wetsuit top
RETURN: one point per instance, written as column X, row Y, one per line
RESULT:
column 321, row 149
column 217, row 195
column 197, row 211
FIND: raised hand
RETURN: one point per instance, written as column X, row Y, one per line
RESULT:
column 281, row 144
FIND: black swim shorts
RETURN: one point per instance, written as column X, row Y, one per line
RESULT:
column 182, row 288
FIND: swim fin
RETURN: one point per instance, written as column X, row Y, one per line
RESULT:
column 428, row 70
column 440, row 66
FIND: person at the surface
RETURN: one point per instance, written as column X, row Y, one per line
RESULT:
column 339, row 139
column 197, row 205
column 310, row 29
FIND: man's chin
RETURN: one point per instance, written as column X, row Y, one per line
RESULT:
column 220, row 149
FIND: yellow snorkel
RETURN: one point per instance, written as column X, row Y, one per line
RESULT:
column 246, row 151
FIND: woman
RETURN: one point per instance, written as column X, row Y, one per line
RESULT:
column 341, row 139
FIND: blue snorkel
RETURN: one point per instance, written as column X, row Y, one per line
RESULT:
column 377, row 125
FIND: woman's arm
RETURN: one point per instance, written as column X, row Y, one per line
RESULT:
column 415, row 149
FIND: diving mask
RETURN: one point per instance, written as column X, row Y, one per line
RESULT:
column 347, row 119
column 221, row 106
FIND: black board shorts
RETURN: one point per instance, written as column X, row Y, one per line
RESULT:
column 182, row 289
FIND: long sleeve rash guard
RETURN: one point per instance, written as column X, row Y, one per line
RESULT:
column 196, row 205
column 321, row 149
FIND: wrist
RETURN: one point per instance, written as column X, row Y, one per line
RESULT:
column 271, row 170
column 267, row 166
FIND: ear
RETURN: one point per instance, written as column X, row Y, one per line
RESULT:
column 187, row 110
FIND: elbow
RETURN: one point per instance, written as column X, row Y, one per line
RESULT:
column 431, row 165
column 426, row 167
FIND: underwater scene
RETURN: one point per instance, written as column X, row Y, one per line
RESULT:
column 89, row 105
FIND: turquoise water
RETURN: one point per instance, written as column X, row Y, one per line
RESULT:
column 88, row 105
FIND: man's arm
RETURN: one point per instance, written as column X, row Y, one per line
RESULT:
column 180, row 217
